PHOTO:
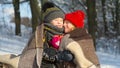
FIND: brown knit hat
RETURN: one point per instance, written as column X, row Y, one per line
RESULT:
column 52, row 13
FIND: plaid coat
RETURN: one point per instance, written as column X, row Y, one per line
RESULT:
column 28, row 57
column 85, row 40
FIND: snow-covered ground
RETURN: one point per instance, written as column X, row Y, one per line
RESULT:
column 15, row 45
column 12, row 44
column 108, row 60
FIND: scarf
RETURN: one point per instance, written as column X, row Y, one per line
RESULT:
column 51, row 30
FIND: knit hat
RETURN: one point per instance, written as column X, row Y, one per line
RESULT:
column 52, row 13
column 76, row 18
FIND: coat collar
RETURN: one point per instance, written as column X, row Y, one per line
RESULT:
column 78, row 32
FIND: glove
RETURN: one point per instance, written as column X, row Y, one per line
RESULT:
column 59, row 56
column 49, row 54
column 48, row 58
column 64, row 56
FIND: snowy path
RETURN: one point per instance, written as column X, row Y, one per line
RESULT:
column 11, row 44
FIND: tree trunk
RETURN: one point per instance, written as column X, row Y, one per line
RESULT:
column 36, row 13
column 17, row 17
column 104, row 18
column 92, row 24
column 116, row 23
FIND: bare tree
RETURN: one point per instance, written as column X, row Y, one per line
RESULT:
column 112, row 11
column 35, row 13
column 104, row 17
column 92, row 24
column 116, row 23
column 17, row 17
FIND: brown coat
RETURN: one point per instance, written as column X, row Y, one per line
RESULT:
column 85, row 40
column 28, row 56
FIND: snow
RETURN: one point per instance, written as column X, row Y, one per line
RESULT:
column 12, row 44
column 15, row 45
column 108, row 60
column 9, row 43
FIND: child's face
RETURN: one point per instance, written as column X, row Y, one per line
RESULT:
column 68, row 26
column 58, row 22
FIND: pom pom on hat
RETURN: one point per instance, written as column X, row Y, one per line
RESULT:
column 76, row 18
column 47, row 5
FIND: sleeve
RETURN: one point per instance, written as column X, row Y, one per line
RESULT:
column 77, row 51
column 64, row 42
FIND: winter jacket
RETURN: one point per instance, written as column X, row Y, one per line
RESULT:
column 28, row 56
column 49, row 32
column 85, row 41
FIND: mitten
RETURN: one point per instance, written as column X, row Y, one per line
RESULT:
column 64, row 56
